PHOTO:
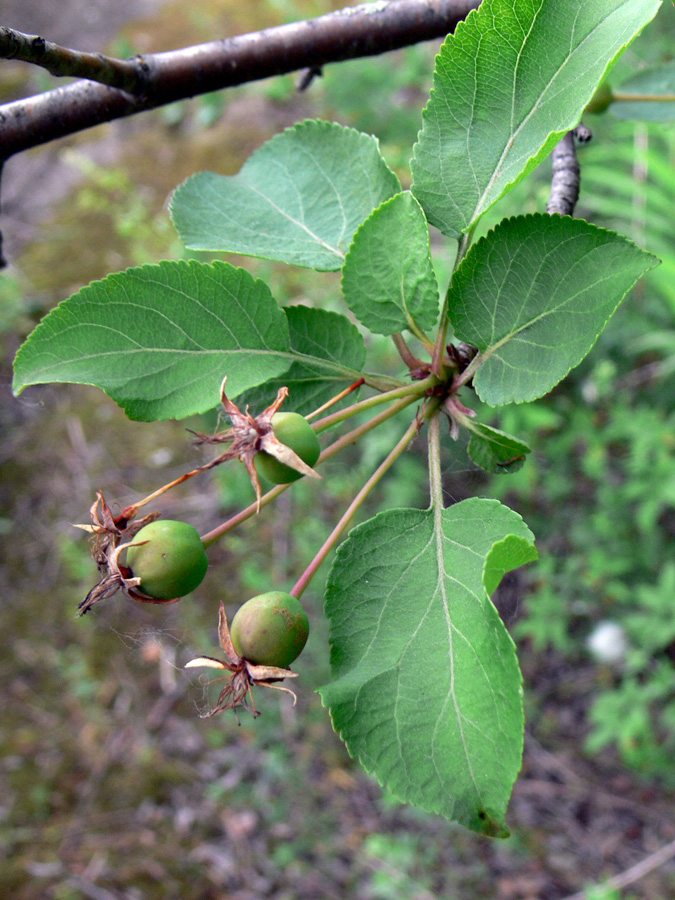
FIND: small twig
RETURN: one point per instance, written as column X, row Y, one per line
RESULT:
column 306, row 78
column 335, row 535
column 336, row 399
column 157, row 79
column 356, row 31
column 127, row 75
column 639, row 870
column 566, row 174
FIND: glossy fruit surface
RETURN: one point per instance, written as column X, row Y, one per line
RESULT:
column 172, row 563
column 270, row 630
column 295, row 432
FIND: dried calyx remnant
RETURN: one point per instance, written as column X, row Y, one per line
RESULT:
column 111, row 536
column 164, row 560
column 244, row 675
column 250, row 435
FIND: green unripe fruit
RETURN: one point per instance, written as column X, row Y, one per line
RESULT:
column 600, row 100
column 172, row 563
column 270, row 630
column 295, row 432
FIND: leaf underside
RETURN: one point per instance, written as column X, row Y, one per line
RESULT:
column 298, row 199
column 426, row 689
column 495, row 451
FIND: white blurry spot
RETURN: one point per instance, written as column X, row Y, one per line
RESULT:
column 590, row 392
column 161, row 456
column 607, row 642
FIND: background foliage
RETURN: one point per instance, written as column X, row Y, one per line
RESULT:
column 107, row 776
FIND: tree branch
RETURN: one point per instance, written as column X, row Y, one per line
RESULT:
column 353, row 32
column 639, row 870
column 566, row 173
column 127, row 75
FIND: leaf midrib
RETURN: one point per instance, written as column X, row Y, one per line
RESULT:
column 478, row 209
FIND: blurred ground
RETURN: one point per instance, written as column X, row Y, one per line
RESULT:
column 111, row 786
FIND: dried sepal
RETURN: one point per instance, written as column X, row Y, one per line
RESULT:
column 272, row 445
column 456, row 412
column 224, row 636
column 111, row 536
column 207, row 661
column 244, row 675
column 250, row 435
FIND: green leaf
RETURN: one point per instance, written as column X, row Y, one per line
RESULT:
column 505, row 556
column 657, row 80
column 298, row 199
column 330, row 355
column 495, row 451
column 514, row 77
column 426, row 689
column 533, row 295
column 159, row 339
column 387, row 280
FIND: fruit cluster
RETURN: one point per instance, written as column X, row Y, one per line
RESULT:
column 160, row 561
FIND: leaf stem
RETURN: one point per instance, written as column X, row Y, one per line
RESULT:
column 336, row 399
column 350, row 438
column 352, row 509
column 435, row 480
column 439, row 346
column 641, row 98
column 418, row 389
column 404, row 351
column 353, row 436
column 470, row 371
column 381, row 383
column 420, row 335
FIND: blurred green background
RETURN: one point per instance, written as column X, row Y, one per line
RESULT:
column 111, row 786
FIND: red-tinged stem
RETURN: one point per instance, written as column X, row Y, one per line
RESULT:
column 351, row 511
column 356, row 503
column 350, row 438
column 212, row 536
column 337, row 398
column 414, row 391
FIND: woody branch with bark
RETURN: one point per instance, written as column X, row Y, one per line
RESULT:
column 117, row 88
column 110, row 88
